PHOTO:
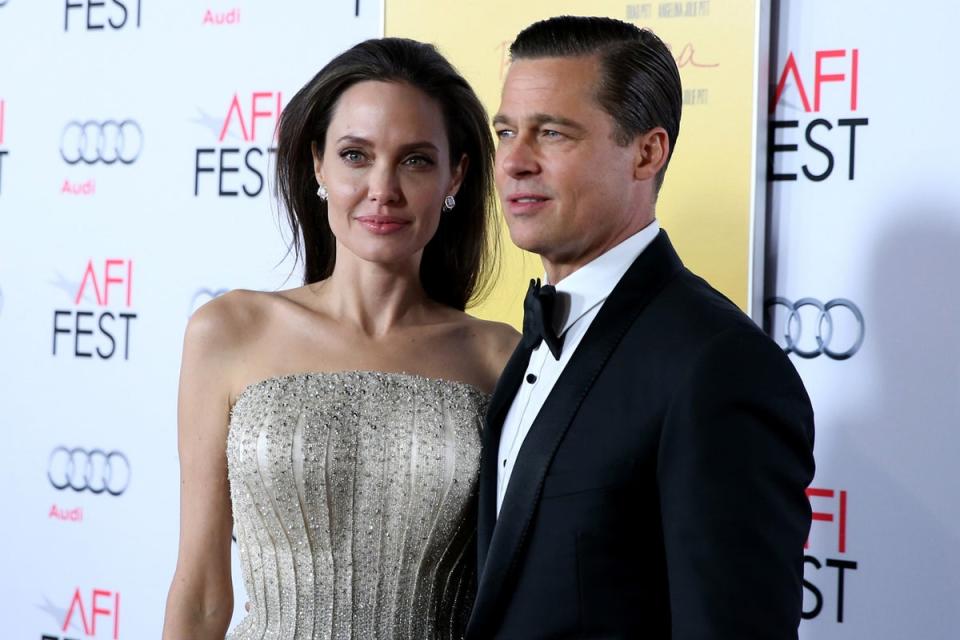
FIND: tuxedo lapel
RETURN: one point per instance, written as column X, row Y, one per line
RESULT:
column 649, row 273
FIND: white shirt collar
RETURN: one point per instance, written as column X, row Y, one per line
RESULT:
column 590, row 285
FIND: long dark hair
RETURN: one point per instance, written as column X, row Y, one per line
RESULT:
column 457, row 262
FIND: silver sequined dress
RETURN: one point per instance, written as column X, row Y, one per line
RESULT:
column 353, row 505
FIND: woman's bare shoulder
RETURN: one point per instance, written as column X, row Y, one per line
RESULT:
column 229, row 320
column 499, row 335
column 496, row 340
column 223, row 335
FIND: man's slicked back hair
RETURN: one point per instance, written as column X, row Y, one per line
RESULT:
column 639, row 83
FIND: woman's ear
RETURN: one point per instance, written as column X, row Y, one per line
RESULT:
column 457, row 175
column 317, row 162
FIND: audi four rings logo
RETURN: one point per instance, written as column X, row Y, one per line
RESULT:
column 93, row 470
column 824, row 328
column 109, row 142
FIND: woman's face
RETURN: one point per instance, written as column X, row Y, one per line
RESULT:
column 386, row 167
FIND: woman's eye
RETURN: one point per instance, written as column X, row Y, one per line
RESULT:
column 352, row 155
column 418, row 161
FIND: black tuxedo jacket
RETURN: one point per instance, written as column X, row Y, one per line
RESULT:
column 660, row 492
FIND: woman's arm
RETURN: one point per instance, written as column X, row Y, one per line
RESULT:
column 200, row 601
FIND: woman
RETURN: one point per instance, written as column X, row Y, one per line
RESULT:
column 335, row 425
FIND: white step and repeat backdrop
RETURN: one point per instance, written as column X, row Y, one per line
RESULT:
column 863, row 257
column 136, row 140
column 136, row 145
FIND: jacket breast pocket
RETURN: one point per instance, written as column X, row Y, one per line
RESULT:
column 570, row 481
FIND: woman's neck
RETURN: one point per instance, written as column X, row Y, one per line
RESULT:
column 372, row 297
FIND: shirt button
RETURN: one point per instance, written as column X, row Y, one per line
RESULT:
column 531, row 378
column 504, row 462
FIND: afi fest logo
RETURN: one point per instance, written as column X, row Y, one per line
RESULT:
column 3, row 152
column 825, row 578
column 92, row 613
column 819, row 91
column 246, row 144
column 101, row 15
column 99, row 325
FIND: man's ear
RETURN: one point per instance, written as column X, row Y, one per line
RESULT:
column 652, row 151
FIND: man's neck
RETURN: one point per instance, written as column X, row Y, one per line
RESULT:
column 558, row 269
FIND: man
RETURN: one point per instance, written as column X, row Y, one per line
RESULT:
column 647, row 449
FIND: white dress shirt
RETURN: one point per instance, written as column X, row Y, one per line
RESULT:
column 579, row 298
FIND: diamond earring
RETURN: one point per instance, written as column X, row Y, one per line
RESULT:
column 449, row 203
column 322, row 192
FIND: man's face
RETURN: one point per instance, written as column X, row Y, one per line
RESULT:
column 566, row 186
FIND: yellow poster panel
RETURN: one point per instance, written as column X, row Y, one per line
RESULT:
column 706, row 200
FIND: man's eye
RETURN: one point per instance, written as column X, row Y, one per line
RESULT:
column 504, row 133
column 550, row 133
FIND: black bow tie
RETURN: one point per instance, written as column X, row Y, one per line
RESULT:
column 538, row 309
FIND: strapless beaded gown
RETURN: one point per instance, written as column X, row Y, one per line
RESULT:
column 353, row 505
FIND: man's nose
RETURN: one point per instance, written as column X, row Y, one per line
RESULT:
column 518, row 159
